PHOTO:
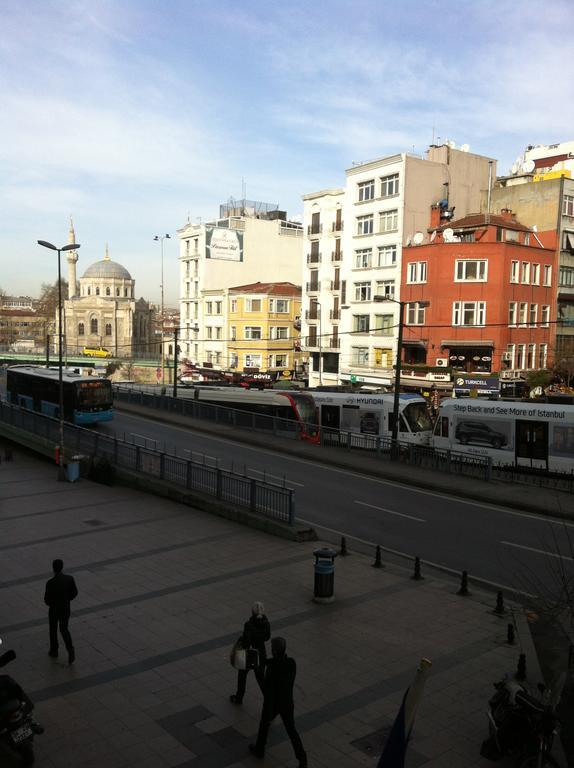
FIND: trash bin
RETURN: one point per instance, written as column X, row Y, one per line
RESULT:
column 324, row 575
column 73, row 469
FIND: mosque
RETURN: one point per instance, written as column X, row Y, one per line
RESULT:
column 105, row 312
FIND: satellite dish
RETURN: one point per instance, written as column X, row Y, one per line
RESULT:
column 418, row 238
column 432, row 237
column 528, row 166
column 448, row 235
column 465, row 147
column 408, row 241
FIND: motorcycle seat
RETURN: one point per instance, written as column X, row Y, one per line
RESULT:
column 524, row 699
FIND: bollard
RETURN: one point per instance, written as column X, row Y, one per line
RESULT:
column 343, row 551
column 417, row 575
column 463, row 591
column 8, row 456
column 499, row 609
column 510, row 634
column 378, row 563
column 521, row 668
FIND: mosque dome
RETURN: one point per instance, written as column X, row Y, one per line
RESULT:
column 106, row 268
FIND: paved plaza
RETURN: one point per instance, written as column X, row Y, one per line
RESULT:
column 164, row 592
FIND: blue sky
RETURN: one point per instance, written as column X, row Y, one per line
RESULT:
column 134, row 115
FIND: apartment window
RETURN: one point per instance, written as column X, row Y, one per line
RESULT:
column 281, row 332
column 365, row 225
column 470, row 271
column 568, row 242
column 280, row 306
column 388, row 221
column 568, row 205
column 279, row 361
column 218, row 305
column 387, row 256
column 385, row 288
column 384, row 325
column 545, row 316
column 253, row 305
column 510, row 355
column 93, row 325
column 362, row 291
column 252, row 361
column 525, row 273
column 80, row 329
column 108, row 329
column 542, row 355
column 547, row 275
column 417, row 272
column 521, row 356
column 514, row 271
column 233, row 332
column 360, row 355
column 218, row 332
column 208, row 307
column 522, row 313
column 253, row 332
column 566, row 277
column 511, row 235
column 363, row 258
column 209, row 332
column 512, row 307
column 360, row 323
column 415, row 314
column 535, row 274
column 533, row 318
column 233, row 360
column 390, row 185
column 468, row 312
column 233, row 305
column 531, row 358
column 366, row 190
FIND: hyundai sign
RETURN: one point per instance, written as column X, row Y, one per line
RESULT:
column 488, row 385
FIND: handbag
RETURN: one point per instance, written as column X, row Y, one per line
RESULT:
column 238, row 655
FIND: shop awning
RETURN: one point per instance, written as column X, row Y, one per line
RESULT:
column 414, row 343
column 457, row 344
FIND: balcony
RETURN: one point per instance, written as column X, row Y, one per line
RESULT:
column 335, row 314
column 313, row 258
column 314, row 230
column 335, row 285
column 311, row 342
column 313, row 287
column 312, row 314
column 336, row 255
column 337, row 226
column 334, row 342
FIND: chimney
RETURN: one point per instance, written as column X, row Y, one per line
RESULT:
column 507, row 214
column 435, row 213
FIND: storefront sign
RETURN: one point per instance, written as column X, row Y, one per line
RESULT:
column 223, row 244
column 489, row 385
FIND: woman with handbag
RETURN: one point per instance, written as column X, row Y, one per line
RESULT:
column 256, row 631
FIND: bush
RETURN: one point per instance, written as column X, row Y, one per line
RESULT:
column 102, row 471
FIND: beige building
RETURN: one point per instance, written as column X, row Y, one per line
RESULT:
column 353, row 250
column 104, row 312
column 249, row 242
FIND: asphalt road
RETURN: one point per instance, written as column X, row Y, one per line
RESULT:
column 503, row 546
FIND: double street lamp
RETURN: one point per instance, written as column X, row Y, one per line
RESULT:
column 160, row 239
column 69, row 247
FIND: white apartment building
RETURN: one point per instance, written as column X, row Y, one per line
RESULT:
column 249, row 242
column 352, row 256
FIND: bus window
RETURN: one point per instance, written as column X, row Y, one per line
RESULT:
column 441, row 427
column 417, row 417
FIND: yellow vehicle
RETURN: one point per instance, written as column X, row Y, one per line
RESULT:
column 96, row 352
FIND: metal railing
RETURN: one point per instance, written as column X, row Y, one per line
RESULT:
column 267, row 499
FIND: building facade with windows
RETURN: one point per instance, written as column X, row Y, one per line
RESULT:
column 250, row 241
column 479, row 297
column 264, row 327
column 349, row 332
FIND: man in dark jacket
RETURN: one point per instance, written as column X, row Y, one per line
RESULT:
column 60, row 591
column 278, row 700
column 256, row 631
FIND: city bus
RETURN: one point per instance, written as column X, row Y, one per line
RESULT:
column 87, row 399
column 296, row 407
column 524, row 434
column 372, row 414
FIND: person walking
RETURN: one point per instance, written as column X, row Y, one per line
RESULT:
column 256, row 631
column 60, row 591
column 278, row 700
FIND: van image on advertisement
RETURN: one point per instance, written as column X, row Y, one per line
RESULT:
column 96, row 352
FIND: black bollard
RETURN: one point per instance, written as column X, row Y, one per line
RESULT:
column 521, row 668
column 343, row 551
column 417, row 575
column 499, row 609
column 8, row 456
column 463, row 591
column 510, row 634
column 378, row 562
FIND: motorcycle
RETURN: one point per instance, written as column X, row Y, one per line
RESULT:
column 17, row 727
column 521, row 726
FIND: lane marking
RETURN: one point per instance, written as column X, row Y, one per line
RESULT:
column 277, row 477
column 393, row 483
column 391, row 511
column 538, row 551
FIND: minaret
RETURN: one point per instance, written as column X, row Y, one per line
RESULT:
column 72, row 257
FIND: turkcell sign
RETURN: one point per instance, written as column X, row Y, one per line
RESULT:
column 488, row 386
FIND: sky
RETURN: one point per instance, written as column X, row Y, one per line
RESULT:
column 137, row 116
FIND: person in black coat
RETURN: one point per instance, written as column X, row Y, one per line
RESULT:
column 278, row 700
column 60, row 591
column 256, row 631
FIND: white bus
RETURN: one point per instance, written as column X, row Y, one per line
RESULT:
column 524, row 434
column 372, row 414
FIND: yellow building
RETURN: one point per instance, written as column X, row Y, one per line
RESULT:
column 264, row 323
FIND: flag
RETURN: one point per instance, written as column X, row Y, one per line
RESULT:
column 395, row 749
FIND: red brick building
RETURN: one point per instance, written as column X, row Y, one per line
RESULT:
column 488, row 283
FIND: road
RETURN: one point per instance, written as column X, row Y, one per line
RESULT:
column 506, row 547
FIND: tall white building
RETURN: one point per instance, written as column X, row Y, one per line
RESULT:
column 352, row 255
column 249, row 242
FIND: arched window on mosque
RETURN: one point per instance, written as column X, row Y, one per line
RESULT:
column 125, row 291
column 94, row 325
column 89, row 290
column 97, row 291
column 107, row 291
column 108, row 329
column 80, row 329
column 117, row 291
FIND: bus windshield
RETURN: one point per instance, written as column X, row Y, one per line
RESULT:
column 306, row 408
column 91, row 394
column 417, row 417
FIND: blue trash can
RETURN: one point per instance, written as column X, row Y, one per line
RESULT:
column 73, row 470
column 324, row 575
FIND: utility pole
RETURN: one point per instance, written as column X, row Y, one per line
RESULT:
column 47, row 350
column 175, row 361
column 160, row 239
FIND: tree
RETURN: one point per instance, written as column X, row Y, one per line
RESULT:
column 539, row 379
column 48, row 301
column 565, row 369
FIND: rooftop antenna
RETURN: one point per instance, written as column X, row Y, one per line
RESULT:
column 489, row 198
column 534, row 231
column 243, row 189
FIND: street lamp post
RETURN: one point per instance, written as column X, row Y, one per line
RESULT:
column 69, row 247
column 318, row 305
column 160, row 239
